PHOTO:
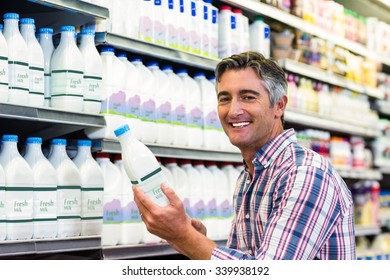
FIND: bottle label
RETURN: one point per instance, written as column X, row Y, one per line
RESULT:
column 114, row 104
column 69, row 202
column 91, row 203
column 133, row 107
column 159, row 32
column 172, row 34
column 148, row 111
column 211, row 209
column 145, row 29
column 67, row 83
column 164, row 113
column 2, row 205
column 18, row 76
column 19, row 204
column 131, row 213
column 179, row 116
column 195, row 118
column 225, row 209
column 37, row 81
column 93, row 89
column 211, row 121
column 112, row 212
column 198, row 210
column 3, row 71
column 45, row 204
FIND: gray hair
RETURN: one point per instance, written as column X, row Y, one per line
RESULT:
column 269, row 72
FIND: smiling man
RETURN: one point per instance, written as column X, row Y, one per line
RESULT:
column 289, row 202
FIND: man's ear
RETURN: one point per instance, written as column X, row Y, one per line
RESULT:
column 280, row 106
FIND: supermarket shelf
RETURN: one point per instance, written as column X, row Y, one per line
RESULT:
column 328, row 77
column 296, row 22
column 142, row 251
column 44, row 122
column 367, row 230
column 40, row 246
column 145, row 48
column 172, row 151
column 361, row 174
column 320, row 122
column 81, row 7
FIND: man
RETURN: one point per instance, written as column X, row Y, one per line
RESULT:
column 289, row 202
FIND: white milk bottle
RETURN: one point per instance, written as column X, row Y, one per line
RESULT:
column 194, row 110
column 171, row 17
column 206, row 28
column 181, row 182
column 133, row 98
column 112, row 209
column 67, row 73
column 225, row 34
column 232, row 176
column 132, row 227
column 214, row 33
column 146, row 21
column 92, row 183
column 209, row 109
column 45, row 190
column 159, row 22
column 46, row 42
column 183, row 32
column 179, row 116
column 195, row 26
column 197, row 205
column 35, row 63
column 141, row 166
column 163, row 106
column 224, row 209
column 3, row 215
column 259, row 34
column 148, row 102
column 113, row 97
column 210, row 199
column 166, row 171
column 17, row 60
column 4, row 90
column 93, row 71
column 68, row 189
column 19, row 180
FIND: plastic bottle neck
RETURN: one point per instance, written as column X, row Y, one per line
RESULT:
column 10, row 147
column 84, row 151
column 11, row 26
column 34, row 148
column 28, row 32
column 87, row 41
column 59, row 151
column 67, row 38
column 46, row 38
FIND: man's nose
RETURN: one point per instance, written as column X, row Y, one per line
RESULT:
column 235, row 108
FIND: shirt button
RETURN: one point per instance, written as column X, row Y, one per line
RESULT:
column 247, row 216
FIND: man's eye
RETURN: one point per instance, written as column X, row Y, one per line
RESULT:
column 223, row 100
column 248, row 97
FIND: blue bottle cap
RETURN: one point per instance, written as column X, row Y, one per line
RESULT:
column 86, row 143
column 11, row 16
column 68, row 28
column 136, row 59
column 152, row 64
column 87, row 31
column 199, row 74
column 182, row 70
column 10, row 138
column 107, row 49
column 1, row 27
column 58, row 141
column 122, row 55
column 121, row 130
column 27, row 21
column 167, row 67
column 46, row 30
column 34, row 140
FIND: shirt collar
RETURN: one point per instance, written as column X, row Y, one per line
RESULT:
column 273, row 148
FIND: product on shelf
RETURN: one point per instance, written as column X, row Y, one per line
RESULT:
column 4, row 90
column 46, row 42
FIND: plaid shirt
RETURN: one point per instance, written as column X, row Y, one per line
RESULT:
column 296, row 206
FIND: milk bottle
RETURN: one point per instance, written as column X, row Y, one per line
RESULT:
column 113, row 97
column 112, row 210
column 4, row 90
column 179, row 115
column 69, row 190
column 214, row 33
column 35, row 62
column 3, row 215
column 93, row 69
column 148, row 102
column 226, row 23
column 46, row 42
column 141, row 166
column 210, row 199
column 180, row 182
column 159, row 22
column 19, row 180
column 17, row 61
column 223, row 140
column 259, row 34
column 67, row 73
column 197, row 204
column 132, row 228
column 183, row 26
column 133, row 98
column 163, row 106
column 146, row 21
column 232, row 176
column 171, row 19
column 209, row 107
column 224, row 208
column 166, row 171
column 206, row 27
column 92, row 182
column 194, row 110
column 195, row 26
column 45, row 190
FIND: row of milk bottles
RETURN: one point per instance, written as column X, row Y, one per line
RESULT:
column 48, row 197
column 186, row 25
column 34, row 73
column 160, row 106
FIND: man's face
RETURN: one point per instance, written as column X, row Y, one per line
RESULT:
column 245, row 111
